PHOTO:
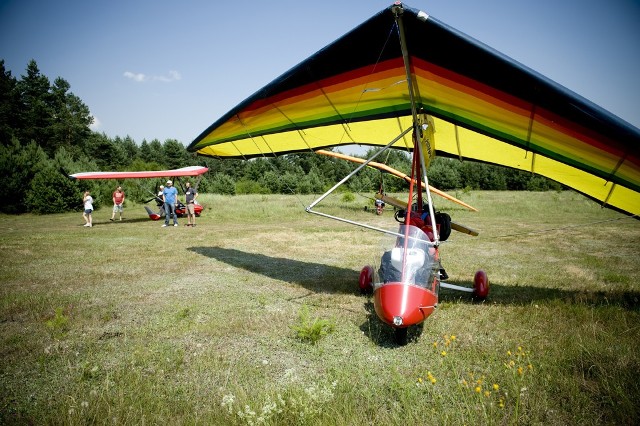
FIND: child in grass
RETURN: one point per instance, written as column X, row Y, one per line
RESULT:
column 87, row 199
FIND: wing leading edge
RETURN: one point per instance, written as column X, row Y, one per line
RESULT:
column 184, row 171
column 486, row 107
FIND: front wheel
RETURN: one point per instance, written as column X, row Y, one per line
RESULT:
column 400, row 336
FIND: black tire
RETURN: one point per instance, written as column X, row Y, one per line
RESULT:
column 400, row 336
column 444, row 220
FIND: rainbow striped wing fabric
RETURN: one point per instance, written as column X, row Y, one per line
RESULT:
column 485, row 107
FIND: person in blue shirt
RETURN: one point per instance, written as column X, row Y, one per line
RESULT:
column 170, row 198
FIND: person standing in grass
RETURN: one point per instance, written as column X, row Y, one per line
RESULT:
column 190, row 200
column 170, row 198
column 87, row 199
column 159, row 200
column 118, row 200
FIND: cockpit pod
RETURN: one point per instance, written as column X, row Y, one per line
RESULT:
column 407, row 280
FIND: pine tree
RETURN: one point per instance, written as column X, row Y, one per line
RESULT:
column 8, row 105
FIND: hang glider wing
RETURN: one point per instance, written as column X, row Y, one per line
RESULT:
column 184, row 171
column 485, row 107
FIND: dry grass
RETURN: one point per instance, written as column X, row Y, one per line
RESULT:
column 133, row 323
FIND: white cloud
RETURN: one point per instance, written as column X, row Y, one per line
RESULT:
column 173, row 76
column 140, row 77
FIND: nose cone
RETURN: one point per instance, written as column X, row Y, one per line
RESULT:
column 402, row 305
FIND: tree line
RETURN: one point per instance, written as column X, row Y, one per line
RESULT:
column 45, row 134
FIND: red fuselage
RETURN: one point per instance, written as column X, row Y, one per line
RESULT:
column 403, row 305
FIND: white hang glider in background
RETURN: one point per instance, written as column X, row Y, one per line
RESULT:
column 174, row 174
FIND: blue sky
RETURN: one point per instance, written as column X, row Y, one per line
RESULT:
column 153, row 69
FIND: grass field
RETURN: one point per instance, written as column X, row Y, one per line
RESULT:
column 131, row 323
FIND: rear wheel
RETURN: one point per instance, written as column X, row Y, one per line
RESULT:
column 480, row 285
column 365, row 281
column 444, row 220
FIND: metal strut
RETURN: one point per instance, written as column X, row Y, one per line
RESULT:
column 417, row 130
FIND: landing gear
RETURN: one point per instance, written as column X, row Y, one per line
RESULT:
column 480, row 285
column 444, row 220
column 365, row 282
column 400, row 336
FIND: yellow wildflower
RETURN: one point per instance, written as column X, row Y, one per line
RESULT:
column 478, row 389
column 496, row 387
column 443, row 353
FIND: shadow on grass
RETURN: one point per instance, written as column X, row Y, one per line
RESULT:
column 120, row 222
column 315, row 277
column 102, row 222
column 321, row 278
column 527, row 295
